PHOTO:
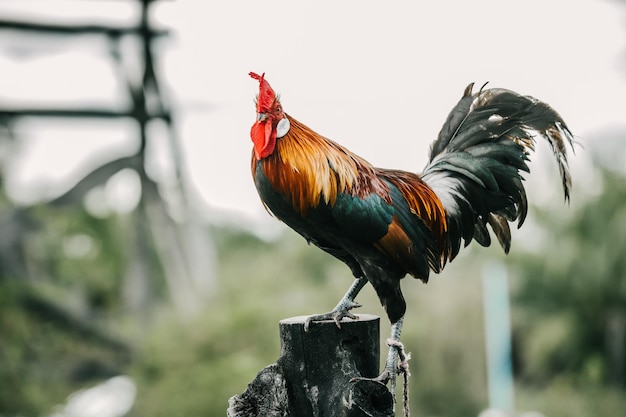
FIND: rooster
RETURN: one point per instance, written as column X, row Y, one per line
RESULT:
column 385, row 223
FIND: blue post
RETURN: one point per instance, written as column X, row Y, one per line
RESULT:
column 498, row 337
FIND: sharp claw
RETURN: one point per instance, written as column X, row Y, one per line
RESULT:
column 307, row 323
column 336, row 315
column 382, row 378
column 338, row 322
column 351, row 306
column 398, row 366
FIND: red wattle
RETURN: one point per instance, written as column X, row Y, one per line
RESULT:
column 263, row 138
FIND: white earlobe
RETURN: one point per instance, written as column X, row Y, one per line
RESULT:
column 282, row 127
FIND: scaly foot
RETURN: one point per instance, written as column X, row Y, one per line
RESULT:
column 397, row 359
column 397, row 362
column 340, row 312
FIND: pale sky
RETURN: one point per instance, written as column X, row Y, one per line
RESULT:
column 378, row 77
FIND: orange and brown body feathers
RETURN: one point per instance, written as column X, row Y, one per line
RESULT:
column 385, row 223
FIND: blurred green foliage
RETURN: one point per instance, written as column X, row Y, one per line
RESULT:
column 67, row 326
column 572, row 293
column 57, row 321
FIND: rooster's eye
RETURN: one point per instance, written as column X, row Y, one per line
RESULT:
column 278, row 109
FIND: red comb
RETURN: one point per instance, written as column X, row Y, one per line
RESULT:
column 266, row 94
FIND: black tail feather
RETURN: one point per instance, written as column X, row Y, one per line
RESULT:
column 475, row 163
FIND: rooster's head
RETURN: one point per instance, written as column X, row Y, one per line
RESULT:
column 271, row 122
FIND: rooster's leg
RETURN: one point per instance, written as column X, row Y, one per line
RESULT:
column 343, row 308
column 397, row 359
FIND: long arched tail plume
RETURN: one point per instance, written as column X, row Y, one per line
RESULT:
column 475, row 163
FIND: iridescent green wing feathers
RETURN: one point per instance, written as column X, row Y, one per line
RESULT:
column 406, row 224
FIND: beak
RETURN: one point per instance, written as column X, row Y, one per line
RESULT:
column 261, row 117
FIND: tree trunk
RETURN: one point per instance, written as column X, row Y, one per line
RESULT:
column 319, row 373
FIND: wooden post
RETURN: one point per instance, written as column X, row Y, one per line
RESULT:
column 317, row 374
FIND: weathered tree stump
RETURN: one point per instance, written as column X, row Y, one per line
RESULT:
column 318, row 373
